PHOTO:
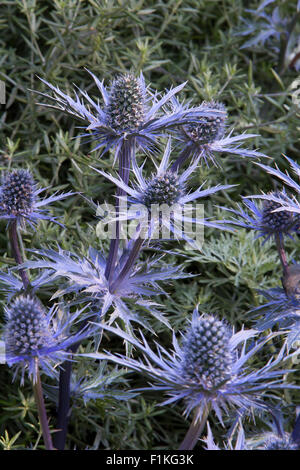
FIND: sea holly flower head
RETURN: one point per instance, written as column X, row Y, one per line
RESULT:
column 32, row 335
column 161, row 203
column 131, row 115
column 288, row 203
column 127, row 104
column 163, row 189
column 208, row 357
column 85, row 277
column 211, row 128
column 201, row 384
column 17, row 193
column 205, row 138
column 265, row 218
column 19, row 198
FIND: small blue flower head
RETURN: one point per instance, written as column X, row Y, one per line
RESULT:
column 288, row 203
column 17, row 193
column 207, row 137
column 265, row 218
column 126, row 107
column 211, row 128
column 209, row 370
column 207, row 356
column 161, row 203
column 131, row 114
column 19, row 198
column 34, row 336
column 163, row 189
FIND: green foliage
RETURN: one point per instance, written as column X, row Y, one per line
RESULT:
column 170, row 41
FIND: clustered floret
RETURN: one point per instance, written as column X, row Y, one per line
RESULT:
column 27, row 329
column 164, row 189
column 208, row 358
column 17, row 193
column 281, row 221
column 211, row 128
column 126, row 108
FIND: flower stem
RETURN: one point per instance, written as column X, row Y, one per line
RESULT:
column 38, row 393
column 129, row 264
column 195, row 430
column 281, row 252
column 63, row 409
column 13, row 238
column 124, row 168
column 184, row 155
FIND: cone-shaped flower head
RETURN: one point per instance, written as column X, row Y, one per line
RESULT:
column 163, row 189
column 34, row 336
column 19, row 198
column 17, row 194
column 27, row 330
column 161, row 204
column 263, row 218
column 207, row 137
column 208, row 358
column 211, row 128
column 126, row 106
column 280, row 222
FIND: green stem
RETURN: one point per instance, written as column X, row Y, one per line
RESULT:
column 38, row 393
column 13, row 238
column 195, row 430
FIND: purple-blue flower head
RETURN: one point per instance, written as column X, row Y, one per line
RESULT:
column 85, row 277
column 161, row 203
column 130, row 114
column 206, row 138
column 209, row 370
column 288, row 203
column 19, row 199
column 32, row 335
column 265, row 219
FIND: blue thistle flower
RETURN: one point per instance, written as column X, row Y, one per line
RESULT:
column 289, row 204
column 19, row 198
column 131, row 113
column 266, row 219
column 85, row 276
column 164, row 190
column 205, row 138
column 217, row 378
column 33, row 335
